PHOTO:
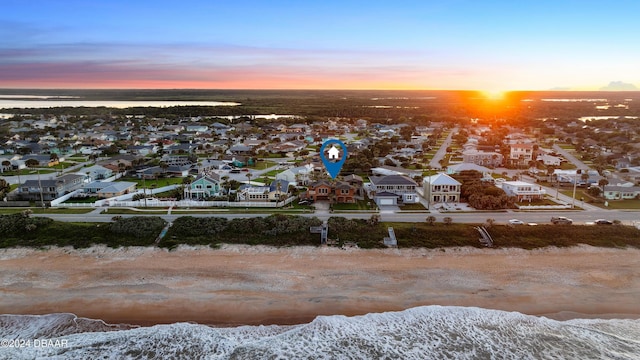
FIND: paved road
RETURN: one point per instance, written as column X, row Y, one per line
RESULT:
column 567, row 155
column 540, row 217
column 442, row 151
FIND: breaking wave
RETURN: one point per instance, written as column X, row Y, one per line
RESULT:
column 429, row 332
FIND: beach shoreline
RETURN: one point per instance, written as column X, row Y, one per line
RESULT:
column 261, row 285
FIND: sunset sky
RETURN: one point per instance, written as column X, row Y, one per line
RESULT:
column 483, row 45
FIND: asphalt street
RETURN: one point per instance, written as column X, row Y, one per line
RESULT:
column 476, row 217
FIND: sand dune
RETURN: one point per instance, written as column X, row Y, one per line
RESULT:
column 264, row 285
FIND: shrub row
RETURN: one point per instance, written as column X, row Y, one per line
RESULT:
column 20, row 230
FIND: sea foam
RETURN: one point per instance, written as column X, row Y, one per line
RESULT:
column 429, row 332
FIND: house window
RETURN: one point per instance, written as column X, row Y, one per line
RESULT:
column 344, row 191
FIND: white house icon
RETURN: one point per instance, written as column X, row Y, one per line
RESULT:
column 334, row 153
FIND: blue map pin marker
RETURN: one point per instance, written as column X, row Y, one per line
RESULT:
column 332, row 160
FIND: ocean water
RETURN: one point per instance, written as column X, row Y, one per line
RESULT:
column 429, row 332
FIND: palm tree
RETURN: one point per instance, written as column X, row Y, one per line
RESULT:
column 164, row 166
column 603, row 183
column 550, row 171
column 249, row 177
column 5, row 164
column 121, row 167
column 584, row 177
column 278, row 189
column 225, row 183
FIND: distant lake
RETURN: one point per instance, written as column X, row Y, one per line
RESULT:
column 9, row 103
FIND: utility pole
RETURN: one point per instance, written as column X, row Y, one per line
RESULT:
column 41, row 194
column 575, row 183
column 144, row 189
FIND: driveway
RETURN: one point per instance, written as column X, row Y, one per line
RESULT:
column 386, row 209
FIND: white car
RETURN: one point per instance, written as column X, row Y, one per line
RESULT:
column 516, row 222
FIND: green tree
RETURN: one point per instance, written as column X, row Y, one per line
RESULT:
column 603, row 183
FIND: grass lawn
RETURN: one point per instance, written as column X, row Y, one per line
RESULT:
column 566, row 147
column 160, row 182
column 63, row 165
column 90, row 199
column 272, row 173
column 46, row 211
column 76, row 158
column 412, row 207
column 631, row 204
column 537, row 202
column 27, row 172
column 358, row 205
column 621, row 204
column 263, row 164
column 220, row 210
column 567, row 166
column 272, row 156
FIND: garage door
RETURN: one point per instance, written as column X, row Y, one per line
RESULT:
column 386, row 201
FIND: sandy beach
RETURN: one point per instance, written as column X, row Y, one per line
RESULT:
column 263, row 285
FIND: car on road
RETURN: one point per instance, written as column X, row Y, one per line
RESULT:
column 516, row 222
column 603, row 222
column 557, row 220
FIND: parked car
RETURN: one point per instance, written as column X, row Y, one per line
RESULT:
column 561, row 220
column 603, row 222
column 516, row 222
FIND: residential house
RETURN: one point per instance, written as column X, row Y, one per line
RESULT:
column 287, row 146
column 319, row 190
column 571, row 176
column 549, row 160
column 621, row 192
column 523, row 191
column 220, row 129
column 241, row 150
column 393, row 189
column 43, row 159
column 142, row 150
column 49, row 189
column 71, row 182
column 276, row 191
column 203, row 186
column 297, row 176
column 483, row 158
column 96, row 172
column 344, row 192
column 357, row 182
column 105, row 190
column 297, row 128
column 457, row 168
column 392, row 170
column 338, row 191
column 152, row 172
column 441, row 188
column 521, row 153
column 179, row 148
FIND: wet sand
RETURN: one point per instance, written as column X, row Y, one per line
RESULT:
column 263, row 285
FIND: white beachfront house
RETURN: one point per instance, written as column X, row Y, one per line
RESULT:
column 523, row 191
column 441, row 188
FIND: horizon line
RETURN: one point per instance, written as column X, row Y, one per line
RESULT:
column 311, row 89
